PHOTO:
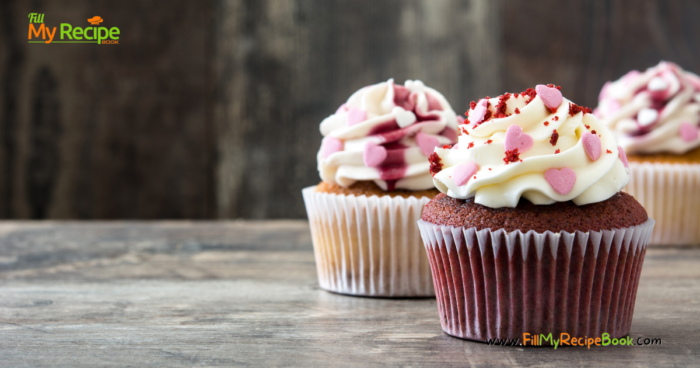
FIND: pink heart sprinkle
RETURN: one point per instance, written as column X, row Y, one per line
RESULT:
column 463, row 172
column 550, row 96
column 356, row 116
column 561, row 180
column 515, row 138
column 427, row 143
column 330, row 146
column 689, row 132
column 373, row 154
column 592, row 145
column 477, row 115
column 623, row 156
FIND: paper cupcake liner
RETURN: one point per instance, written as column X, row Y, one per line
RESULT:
column 498, row 284
column 368, row 246
column 671, row 195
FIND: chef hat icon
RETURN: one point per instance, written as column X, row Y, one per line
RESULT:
column 96, row 20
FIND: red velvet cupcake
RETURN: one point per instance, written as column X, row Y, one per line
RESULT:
column 531, row 233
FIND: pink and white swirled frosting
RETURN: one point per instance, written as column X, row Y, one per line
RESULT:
column 384, row 133
column 655, row 111
column 535, row 145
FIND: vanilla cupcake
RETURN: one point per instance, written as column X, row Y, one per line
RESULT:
column 656, row 117
column 531, row 233
column 375, row 181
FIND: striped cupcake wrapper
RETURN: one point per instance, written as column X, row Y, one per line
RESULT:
column 498, row 284
column 671, row 195
column 368, row 246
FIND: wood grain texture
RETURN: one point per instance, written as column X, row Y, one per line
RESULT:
column 108, row 131
column 283, row 66
column 245, row 293
column 211, row 108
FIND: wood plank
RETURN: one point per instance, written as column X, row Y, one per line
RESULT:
column 282, row 67
column 245, row 293
column 108, row 131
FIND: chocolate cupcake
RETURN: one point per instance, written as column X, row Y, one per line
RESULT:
column 656, row 117
column 376, row 180
column 531, row 233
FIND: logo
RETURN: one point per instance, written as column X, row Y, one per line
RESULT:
column 70, row 34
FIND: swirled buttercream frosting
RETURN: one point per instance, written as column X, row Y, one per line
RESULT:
column 655, row 111
column 384, row 133
column 536, row 145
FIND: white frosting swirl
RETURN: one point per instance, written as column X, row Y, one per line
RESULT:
column 655, row 111
column 384, row 133
column 497, row 183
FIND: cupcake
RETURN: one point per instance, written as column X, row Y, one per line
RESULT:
column 375, row 181
column 531, row 234
column 656, row 116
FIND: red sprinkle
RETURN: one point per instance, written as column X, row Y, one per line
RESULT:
column 516, row 95
column 556, row 118
column 472, row 105
column 502, row 105
column 555, row 138
column 470, row 145
column 530, row 93
column 553, row 86
column 575, row 109
column 464, row 130
column 593, row 131
column 546, row 123
column 517, row 110
column 435, row 163
column 511, row 156
column 587, row 126
column 557, row 151
column 608, row 151
column 489, row 169
column 489, row 141
column 447, row 146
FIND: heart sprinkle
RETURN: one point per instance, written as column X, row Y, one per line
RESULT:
column 426, row 143
column 689, row 132
column 623, row 156
column 330, row 146
column 403, row 118
column 592, row 145
column 374, row 154
column 561, row 180
column 463, row 172
column 516, row 139
column 551, row 97
column 356, row 116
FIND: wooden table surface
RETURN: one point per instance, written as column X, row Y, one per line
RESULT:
column 245, row 293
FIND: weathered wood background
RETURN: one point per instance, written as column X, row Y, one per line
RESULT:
column 211, row 108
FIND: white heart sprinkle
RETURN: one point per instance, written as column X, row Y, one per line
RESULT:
column 657, row 84
column 403, row 118
column 415, row 85
column 647, row 116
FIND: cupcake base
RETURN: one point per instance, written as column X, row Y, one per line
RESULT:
column 671, row 195
column 368, row 246
column 494, row 285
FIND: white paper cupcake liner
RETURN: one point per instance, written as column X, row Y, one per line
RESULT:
column 498, row 284
column 671, row 195
column 368, row 246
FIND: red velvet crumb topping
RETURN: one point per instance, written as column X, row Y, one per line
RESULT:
column 512, row 156
column 517, row 110
column 575, row 109
column 501, row 106
column 608, row 151
column 555, row 138
column 435, row 163
column 546, row 123
column 593, row 131
column 472, row 105
column 530, row 93
column 557, row 151
column 489, row 141
column 556, row 118
column 447, row 146
column 470, row 145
